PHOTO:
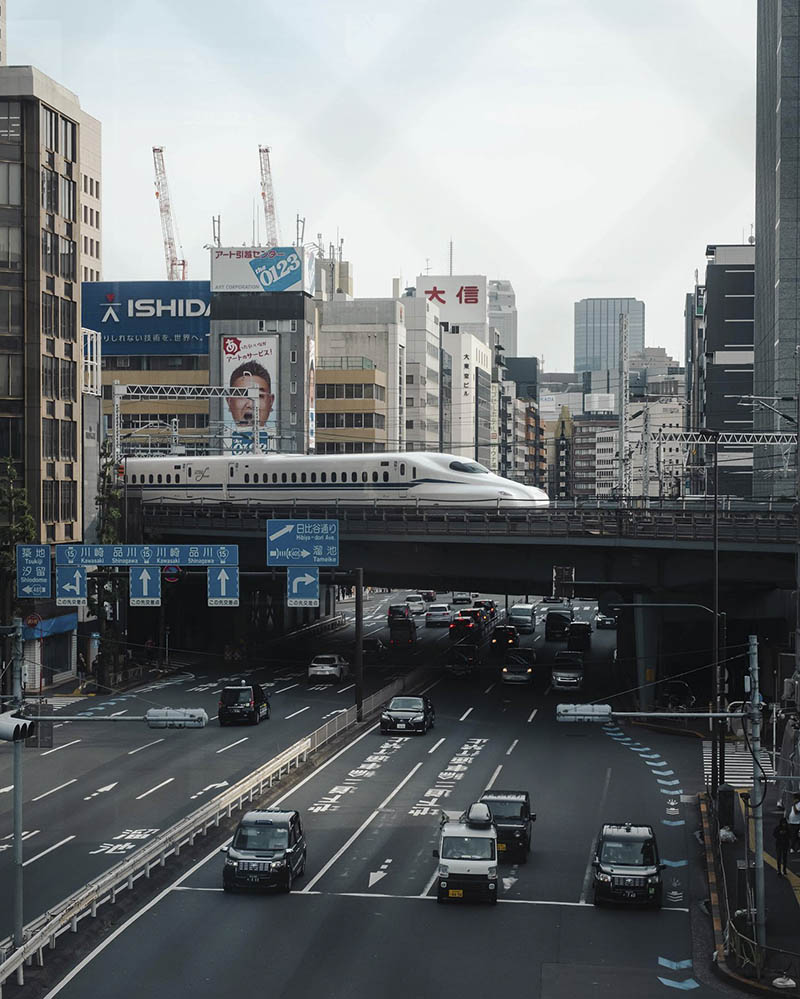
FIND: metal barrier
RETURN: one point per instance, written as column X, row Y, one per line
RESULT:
column 42, row 932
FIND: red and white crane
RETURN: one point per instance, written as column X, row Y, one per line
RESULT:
column 268, row 197
column 177, row 268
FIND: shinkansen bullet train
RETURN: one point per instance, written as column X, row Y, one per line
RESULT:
column 414, row 478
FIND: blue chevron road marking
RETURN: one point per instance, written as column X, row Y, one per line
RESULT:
column 668, row 783
column 641, row 749
column 686, row 985
column 675, row 863
column 671, row 790
column 673, row 822
column 653, row 756
column 658, row 762
column 675, row 965
column 663, row 773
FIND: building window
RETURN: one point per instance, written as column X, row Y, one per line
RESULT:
column 11, row 377
column 292, row 388
column 293, row 357
column 69, row 440
column 67, row 255
column 69, row 319
column 68, row 140
column 11, row 436
column 49, row 135
column 293, row 419
column 49, row 252
column 49, row 191
column 11, row 247
column 49, row 501
column 68, row 198
column 10, row 121
column 11, row 183
column 49, row 315
column 69, row 380
column 49, row 439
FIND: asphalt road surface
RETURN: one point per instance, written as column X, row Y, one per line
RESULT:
column 364, row 921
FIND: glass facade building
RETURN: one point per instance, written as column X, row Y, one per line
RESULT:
column 597, row 331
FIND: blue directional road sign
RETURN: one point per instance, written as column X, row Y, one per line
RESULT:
column 223, row 586
column 33, row 571
column 302, row 587
column 70, row 586
column 145, row 586
column 302, row 542
column 147, row 555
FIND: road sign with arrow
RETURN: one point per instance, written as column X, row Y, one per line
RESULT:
column 223, row 586
column 302, row 587
column 145, row 586
column 302, row 542
column 70, row 586
column 33, row 572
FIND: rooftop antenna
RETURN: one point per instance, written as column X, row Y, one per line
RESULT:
column 300, row 230
column 427, row 265
column 216, row 237
column 752, row 237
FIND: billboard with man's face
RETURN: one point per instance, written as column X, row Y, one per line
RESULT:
column 250, row 362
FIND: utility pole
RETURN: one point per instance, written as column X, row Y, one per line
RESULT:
column 718, row 741
column 359, row 656
column 622, row 358
column 759, row 790
column 17, row 830
column 796, row 677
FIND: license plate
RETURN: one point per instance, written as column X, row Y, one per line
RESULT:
column 455, row 893
column 501, row 846
column 401, row 724
column 630, row 894
column 252, row 877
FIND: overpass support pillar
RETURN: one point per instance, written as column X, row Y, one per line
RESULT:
column 645, row 630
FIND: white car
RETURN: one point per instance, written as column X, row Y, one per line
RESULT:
column 438, row 615
column 330, row 667
column 415, row 603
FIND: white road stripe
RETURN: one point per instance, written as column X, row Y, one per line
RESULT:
column 467, row 712
column 131, row 752
column 433, row 748
column 361, row 828
column 54, row 789
column 429, row 885
column 232, row 744
column 294, row 714
column 510, row 749
column 116, row 714
column 344, row 689
column 284, row 689
column 50, row 849
column 532, row 715
column 3, row 790
column 490, row 687
column 163, row 783
column 65, row 746
column 493, row 778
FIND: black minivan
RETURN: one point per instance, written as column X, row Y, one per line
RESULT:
column 268, row 850
column 627, row 866
column 243, row 702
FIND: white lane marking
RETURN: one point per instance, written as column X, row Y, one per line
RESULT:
column 65, row 746
column 588, row 877
column 190, row 888
column 434, row 748
column 145, row 746
column 294, row 714
column 490, row 688
column 493, row 778
column 429, row 885
column 549, row 688
column 532, row 715
column 283, row 689
column 510, row 749
column 361, row 828
column 54, row 789
column 5, row 790
column 116, row 714
column 345, row 689
column 163, row 783
column 232, row 744
column 467, row 712
column 50, row 849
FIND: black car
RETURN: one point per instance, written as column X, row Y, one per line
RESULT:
column 243, row 702
column 513, row 819
column 626, row 865
column 605, row 621
column 505, row 636
column 268, row 850
column 408, row 714
column 551, row 600
column 488, row 605
column 429, row 596
column 373, row 650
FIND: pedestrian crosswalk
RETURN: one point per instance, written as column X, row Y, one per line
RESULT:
column 60, row 701
column 738, row 764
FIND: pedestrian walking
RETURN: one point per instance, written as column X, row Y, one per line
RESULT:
column 783, row 838
column 794, row 822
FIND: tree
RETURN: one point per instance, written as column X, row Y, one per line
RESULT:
column 17, row 527
column 110, row 588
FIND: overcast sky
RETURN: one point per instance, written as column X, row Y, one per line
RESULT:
column 579, row 148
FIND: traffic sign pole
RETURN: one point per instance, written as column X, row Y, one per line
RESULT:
column 17, row 806
column 359, row 657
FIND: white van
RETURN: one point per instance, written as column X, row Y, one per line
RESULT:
column 523, row 617
column 467, row 855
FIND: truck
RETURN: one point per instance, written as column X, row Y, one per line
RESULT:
column 402, row 633
column 467, row 855
column 462, row 659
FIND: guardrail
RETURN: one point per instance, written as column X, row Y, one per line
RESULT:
column 42, row 933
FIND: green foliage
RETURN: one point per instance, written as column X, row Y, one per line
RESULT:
column 17, row 525
column 109, row 500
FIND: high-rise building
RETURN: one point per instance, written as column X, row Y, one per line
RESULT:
column 462, row 300
column 471, row 407
column 503, row 314
column 351, row 406
column 423, row 377
column 597, row 331
column 49, row 156
column 777, row 265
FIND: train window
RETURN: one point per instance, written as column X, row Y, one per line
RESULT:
column 403, row 468
column 333, row 477
column 177, row 478
column 302, row 476
column 365, row 477
column 168, row 477
column 283, row 476
column 323, row 476
column 230, row 470
column 468, row 466
column 354, row 476
column 413, row 471
column 313, row 476
column 246, row 476
column 274, row 476
column 255, row 477
column 150, row 478
column 294, row 476
column 385, row 476
column 374, row 476
column 133, row 479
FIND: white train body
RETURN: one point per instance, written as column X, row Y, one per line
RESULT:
column 412, row 477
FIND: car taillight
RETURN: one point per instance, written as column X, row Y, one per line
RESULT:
column 252, row 703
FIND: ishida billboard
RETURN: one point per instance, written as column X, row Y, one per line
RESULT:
column 262, row 268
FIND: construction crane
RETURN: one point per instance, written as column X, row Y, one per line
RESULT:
column 268, row 197
column 177, row 268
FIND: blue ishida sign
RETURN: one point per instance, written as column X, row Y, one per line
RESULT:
column 148, row 317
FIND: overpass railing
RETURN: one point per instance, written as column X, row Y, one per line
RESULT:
column 678, row 523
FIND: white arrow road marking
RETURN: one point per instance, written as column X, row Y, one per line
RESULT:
column 209, row 787
column 375, row 877
column 280, row 533
column 330, row 714
column 101, row 790
column 50, row 849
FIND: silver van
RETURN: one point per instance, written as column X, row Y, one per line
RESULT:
column 523, row 617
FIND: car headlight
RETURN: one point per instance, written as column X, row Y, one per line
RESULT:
column 505, row 669
column 278, row 864
column 231, row 863
column 517, row 833
column 384, row 716
column 444, row 870
column 653, row 879
column 530, row 670
column 492, row 872
column 418, row 718
column 605, row 878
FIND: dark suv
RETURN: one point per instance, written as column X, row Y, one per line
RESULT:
column 626, row 865
column 513, row 819
column 243, row 702
column 268, row 850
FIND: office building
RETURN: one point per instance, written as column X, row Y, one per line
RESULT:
column 597, row 326
column 351, row 406
column 524, row 372
column 503, row 314
column 471, row 409
column 719, row 324
column 462, row 301
column 585, row 431
column 777, row 261
column 423, row 375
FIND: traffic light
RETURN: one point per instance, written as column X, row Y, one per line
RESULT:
column 14, row 727
column 176, row 718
